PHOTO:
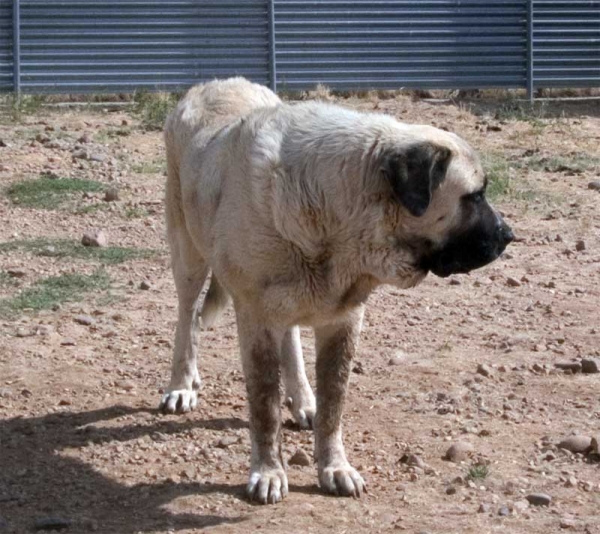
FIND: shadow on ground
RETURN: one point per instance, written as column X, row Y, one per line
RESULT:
column 37, row 482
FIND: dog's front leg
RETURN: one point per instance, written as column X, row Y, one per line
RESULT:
column 260, row 348
column 336, row 346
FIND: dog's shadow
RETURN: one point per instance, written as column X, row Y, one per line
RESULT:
column 37, row 481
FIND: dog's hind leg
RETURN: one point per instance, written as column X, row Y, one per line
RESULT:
column 299, row 395
column 189, row 271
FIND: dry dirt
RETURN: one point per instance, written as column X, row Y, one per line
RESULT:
column 81, row 441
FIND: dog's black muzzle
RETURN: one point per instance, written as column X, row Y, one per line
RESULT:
column 470, row 248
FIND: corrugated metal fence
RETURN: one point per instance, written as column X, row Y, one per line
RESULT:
column 77, row 46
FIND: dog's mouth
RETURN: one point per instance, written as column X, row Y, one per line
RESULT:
column 464, row 256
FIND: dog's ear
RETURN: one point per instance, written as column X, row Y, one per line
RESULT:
column 414, row 173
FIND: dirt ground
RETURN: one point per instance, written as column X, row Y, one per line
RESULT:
column 82, row 444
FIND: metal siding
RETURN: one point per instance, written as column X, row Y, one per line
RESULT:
column 566, row 40
column 6, row 46
column 122, row 46
column 76, row 46
column 349, row 44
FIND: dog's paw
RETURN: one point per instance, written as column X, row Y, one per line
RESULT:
column 342, row 480
column 178, row 401
column 267, row 486
column 303, row 411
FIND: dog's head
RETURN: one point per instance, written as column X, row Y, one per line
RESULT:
column 446, row 220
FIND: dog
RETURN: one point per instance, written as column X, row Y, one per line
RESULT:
column 300, row 211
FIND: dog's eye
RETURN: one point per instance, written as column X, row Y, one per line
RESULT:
column 475, row 198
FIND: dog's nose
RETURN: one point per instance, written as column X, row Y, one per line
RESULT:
column 504, row 233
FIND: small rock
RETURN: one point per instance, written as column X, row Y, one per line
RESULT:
column 44, row 330
column 111, row 195
column 399, row 358
column 484, row 508
column 97, row 157
column 512, row 282
column 539, row 499
column 454, row 282
column 16, row 273
column 459, row 451
column 567, row 522
column 484, row 370
column 85, row 138
column 42, row 138
column 358, row 368
column 85, row 320
column 595, row 445
column 4, row 144
column 24, row 332
column 590, row 365
column 574, row 367
column 580, row 245
column 413, row 460
column 145, row 285
column 520, row 506
column 68, row 342
column 571, row 482
column 56, row 145
column 125, row 384
column 503, row 511
column 95, row 238
column 300, row 458
column 124, row 122
column 594, row 185
column 52, row 523
column 227, row 441
column 450, row 490
column 576, row 443
column 79, row 154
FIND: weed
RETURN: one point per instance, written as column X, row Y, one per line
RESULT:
column 6, row 280
column 64, row 248
column 516, row 110
column 136, row 212
column 153, row 108
column 478, row 472
column 50, row 292
column 497, row 171
column 156, row 166
column 18, row 106
column 91, row 208
column 576, row 163
column 48, row 193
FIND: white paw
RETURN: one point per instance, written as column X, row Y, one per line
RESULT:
column 303, row 410
column 343, row 480
column 267, row 486
column 178, row 401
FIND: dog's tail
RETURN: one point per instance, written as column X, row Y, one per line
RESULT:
column 215, row 302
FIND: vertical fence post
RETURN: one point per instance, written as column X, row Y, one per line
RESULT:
column 530, row 80
column 16, row 47
column 272, row 58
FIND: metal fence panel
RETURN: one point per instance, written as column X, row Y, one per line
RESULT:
column 6, row 46
column 76, row 46
column 348, row 44
column 119, row 46
column 566, row 43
